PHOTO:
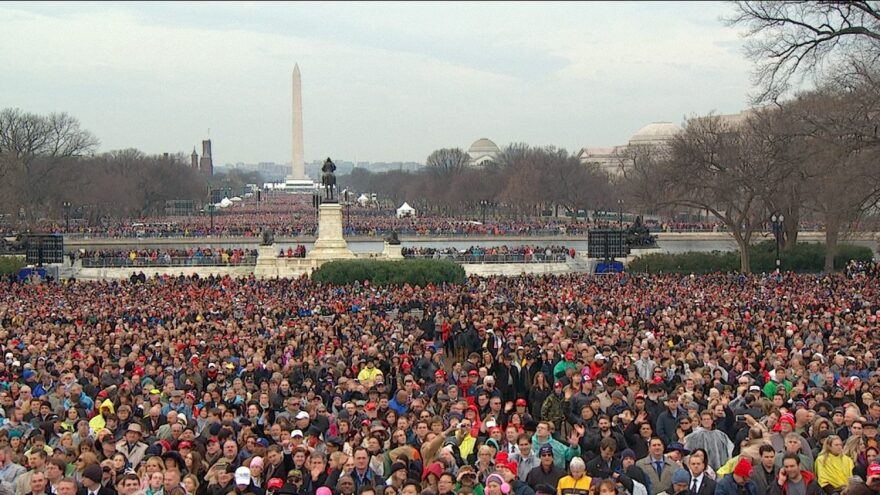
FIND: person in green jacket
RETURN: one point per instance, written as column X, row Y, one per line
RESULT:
column 565, row 364
column 551, row 409
column 467, row 477
column 561, row 453
column 772, row 386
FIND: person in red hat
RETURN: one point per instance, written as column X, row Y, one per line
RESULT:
column 509, row 473
column 871, row 485
column 469, row 388
column 738, row 482
column 522, row 410
column 439, row 383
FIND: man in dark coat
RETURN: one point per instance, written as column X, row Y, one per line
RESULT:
column 546, row 472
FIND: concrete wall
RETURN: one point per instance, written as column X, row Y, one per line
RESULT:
column 293, row 268
column 514, row 269
column 119, row 273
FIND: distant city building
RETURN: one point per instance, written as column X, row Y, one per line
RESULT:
column 614, row 159
column 206, row 163
column 607, row 158
column 272, row 172
column 483, row 151
column 194, row 160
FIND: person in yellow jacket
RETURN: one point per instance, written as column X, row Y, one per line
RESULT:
column 833, row 469
column 98, row 422
column 576, row 483
column 369, row 372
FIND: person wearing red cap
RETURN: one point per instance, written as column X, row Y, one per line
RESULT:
column 738, row 482
column 871, row 485
column 469, row 387
column 783, row 428
column 439, row 383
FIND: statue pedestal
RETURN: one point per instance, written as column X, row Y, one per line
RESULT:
column 267, row 262
column 330, row 243
column 392, row 252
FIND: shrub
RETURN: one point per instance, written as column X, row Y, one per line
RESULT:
column 804, row 257
column 691, row 262
column 11, row 264
column 380, row 272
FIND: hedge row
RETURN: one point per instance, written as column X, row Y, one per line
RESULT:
column 11, row 264
column 413, row 272
column 805, row 257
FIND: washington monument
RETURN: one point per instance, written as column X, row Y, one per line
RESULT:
column 299, row 165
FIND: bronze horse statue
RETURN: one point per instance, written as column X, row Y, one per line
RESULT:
column 328, row 180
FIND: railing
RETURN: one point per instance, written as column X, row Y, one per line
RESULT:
column 119, row 262
column 378, row 233
column 494, row 258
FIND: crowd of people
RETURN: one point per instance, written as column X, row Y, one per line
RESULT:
column 298, row 252
column 293, row 215
column 568, row 385
column 863, row 268
column 199, row 256
column 494, row 254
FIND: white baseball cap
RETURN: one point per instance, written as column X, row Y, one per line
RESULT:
column 296, row 433
column 242, row 476
column 302, row 415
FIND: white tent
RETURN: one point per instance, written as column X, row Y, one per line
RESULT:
column 363, row 200
column 224, row 203
column 406, row 210
column 236, row 199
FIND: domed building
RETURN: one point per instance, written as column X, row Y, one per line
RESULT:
column 614, row 159
column 655, row 133
column 482, row 151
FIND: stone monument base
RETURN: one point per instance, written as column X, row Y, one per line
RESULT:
column 392, row 252
column 267, row 262
column 330, row 244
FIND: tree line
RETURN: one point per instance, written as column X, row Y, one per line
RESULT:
column 522, row 181
column 49, row 160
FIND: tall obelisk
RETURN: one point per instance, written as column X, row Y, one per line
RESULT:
column 299, row 164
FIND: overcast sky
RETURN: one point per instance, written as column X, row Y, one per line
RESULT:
column 381, row 82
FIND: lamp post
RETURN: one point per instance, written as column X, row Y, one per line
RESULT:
column 346, row 198
column 66, row 206
column 211, row 213
column 620, row 212
column 483, row 205
column 776, row 221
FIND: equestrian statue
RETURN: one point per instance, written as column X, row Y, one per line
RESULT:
column 328, row 180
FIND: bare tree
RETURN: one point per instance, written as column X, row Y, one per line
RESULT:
column 726, row 168
column 638, row 167
column 33, row 148
column 575, row 185
column 840, row 176
column 792, row 40
column 447, row 161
